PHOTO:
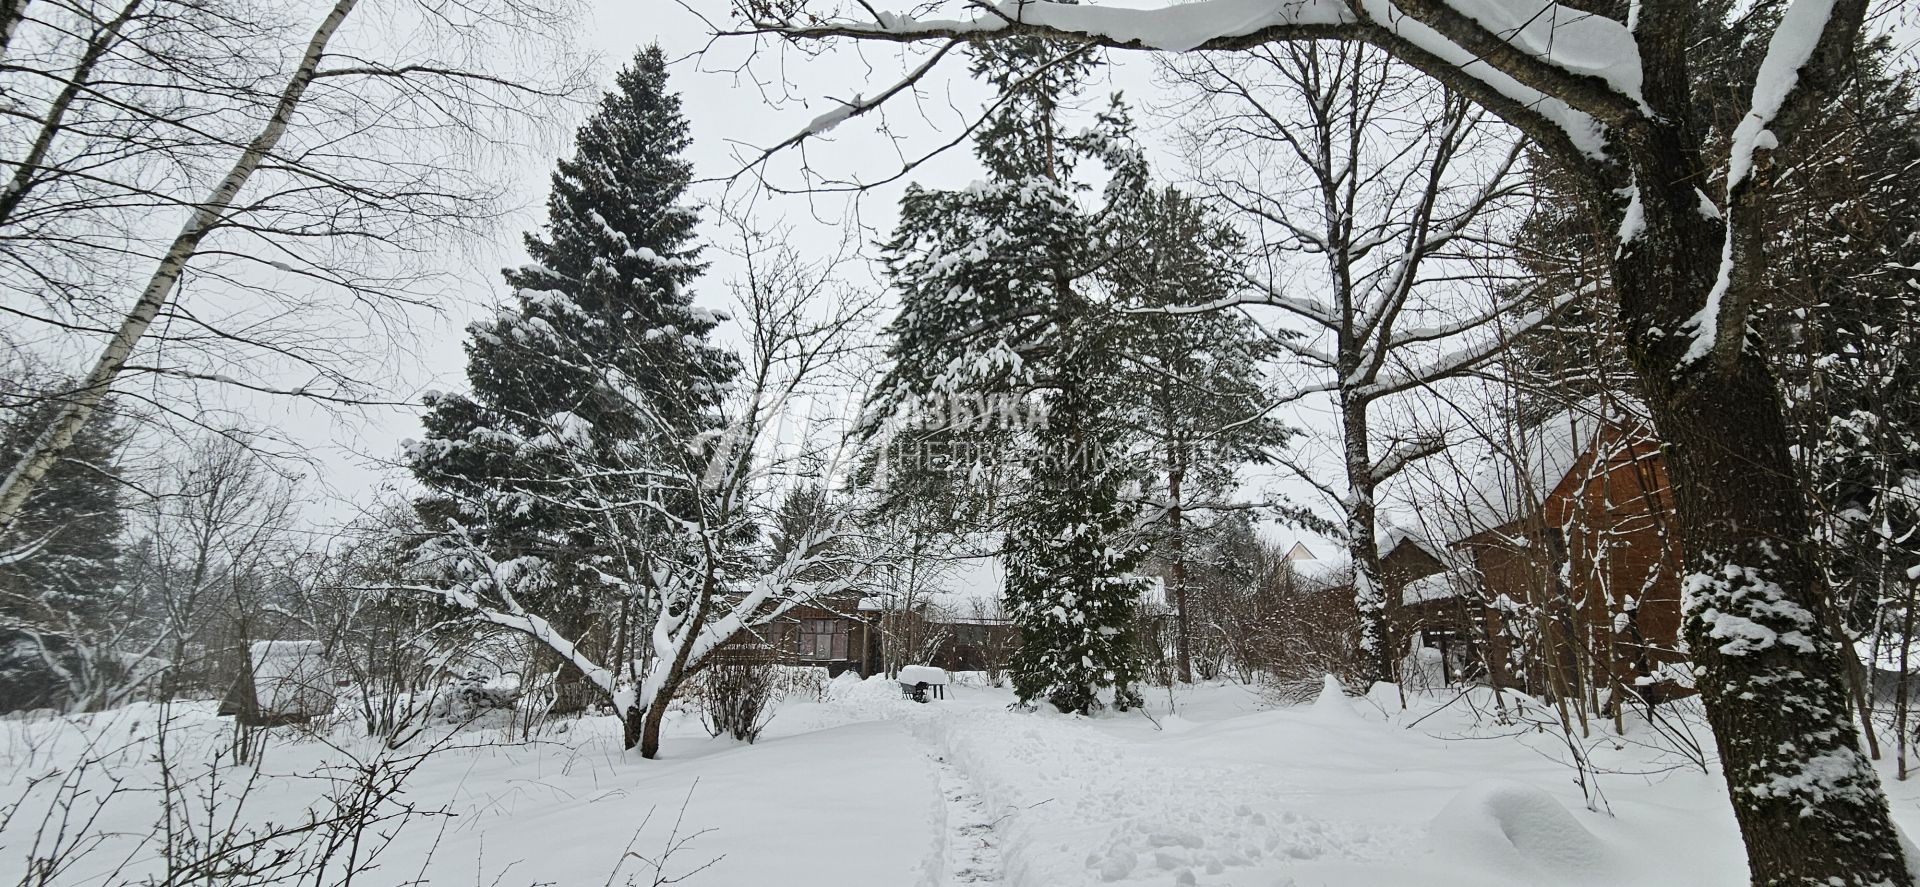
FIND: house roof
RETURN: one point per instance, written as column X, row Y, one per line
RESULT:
column 1513, row 478
column 1438, row 586
column 966, row 589
column 1392, row 535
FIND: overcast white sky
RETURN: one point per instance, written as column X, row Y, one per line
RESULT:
column 733, row 106
column 738, row 95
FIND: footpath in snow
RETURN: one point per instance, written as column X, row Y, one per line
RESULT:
column 1224, row 791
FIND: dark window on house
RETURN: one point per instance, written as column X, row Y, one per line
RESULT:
column 823, row 639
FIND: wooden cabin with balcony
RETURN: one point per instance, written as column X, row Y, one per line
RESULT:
column 1566, row 554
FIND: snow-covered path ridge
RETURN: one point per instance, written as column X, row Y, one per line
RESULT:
column 1070, row 803
column 972, row 847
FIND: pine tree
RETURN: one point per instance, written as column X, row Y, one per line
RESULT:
column 1000, row 299
column 1193, row 379
column 591, row 385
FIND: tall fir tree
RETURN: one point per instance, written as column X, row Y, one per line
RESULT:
column 591, row 386
column 999, row 294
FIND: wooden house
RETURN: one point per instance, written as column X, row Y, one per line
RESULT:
column 956, row 626
column 830, row 633
column 1428, row 606
column 1564, row 563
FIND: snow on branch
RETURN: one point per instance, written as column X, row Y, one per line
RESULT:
column 1720, row 326
column 1576, row 127
column 1581, row 43
column 1405, row 453
column 1175, row 28
column 1552, row 71
column 854, row 107
column 1792, row 47
column 1460, row 359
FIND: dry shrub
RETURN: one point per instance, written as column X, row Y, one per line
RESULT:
column 736, row 695
column 1298, row 638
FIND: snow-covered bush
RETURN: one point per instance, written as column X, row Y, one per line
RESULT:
column 735, row 695
column 471, row 699
column 806, row 683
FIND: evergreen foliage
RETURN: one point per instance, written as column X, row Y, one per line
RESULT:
column 1841, row 317
column 61, row 563
column 589, row 389
column 1000, row 299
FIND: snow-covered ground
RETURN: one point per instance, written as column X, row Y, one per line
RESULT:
column 868, row 789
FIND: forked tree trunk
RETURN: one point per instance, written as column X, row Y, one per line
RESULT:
column 633, row 727
column 1807, row 799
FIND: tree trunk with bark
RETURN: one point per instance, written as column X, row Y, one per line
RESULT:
column 1177, row 571
column 1807, row 799
column 1369, row 598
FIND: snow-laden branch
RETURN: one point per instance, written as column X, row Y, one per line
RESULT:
column 503, row 581
column 1405, row 453
column 853, row 107
column 1577, row 46
column 1175, row 28
column 1720, row 326
column 1557, row 97
column 1458, row 360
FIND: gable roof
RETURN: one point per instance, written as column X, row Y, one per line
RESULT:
column 1514, row 478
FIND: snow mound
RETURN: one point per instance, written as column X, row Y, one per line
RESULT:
column 1516, row 828
column 863, row 693
column 1332, row 701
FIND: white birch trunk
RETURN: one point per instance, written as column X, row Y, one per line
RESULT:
column 46, row 450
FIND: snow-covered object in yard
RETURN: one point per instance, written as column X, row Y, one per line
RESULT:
column 922, row 674
column 291, row 679
column 1515, row 827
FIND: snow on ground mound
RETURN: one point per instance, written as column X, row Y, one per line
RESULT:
column 1332, row 703
column 1517, row 829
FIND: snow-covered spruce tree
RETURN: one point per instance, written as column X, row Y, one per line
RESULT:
column 1000, row 303
column 1071, row 557
column 61, row 561
column 1193, row 368
column 593, row 382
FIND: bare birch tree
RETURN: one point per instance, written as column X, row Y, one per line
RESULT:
column 311, row 170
